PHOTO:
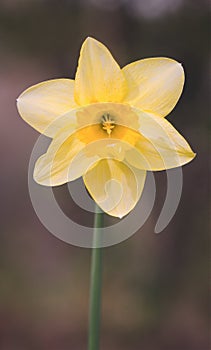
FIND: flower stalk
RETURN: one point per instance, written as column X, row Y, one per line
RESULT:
column 95, row 285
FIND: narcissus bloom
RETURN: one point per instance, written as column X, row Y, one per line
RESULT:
column 108, row 125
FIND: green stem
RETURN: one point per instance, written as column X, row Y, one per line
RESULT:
column 96, row 285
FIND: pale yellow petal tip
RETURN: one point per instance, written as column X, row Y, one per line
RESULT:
column 38, row 177
column 194, row 155
column 92, row 43
column 48, row 182
column 39, row 180
column 18, row 104
column 189, row 157
column 41, row 174
column 115, row 215
column 115, row 212
column 90, row 39
column 120, row 216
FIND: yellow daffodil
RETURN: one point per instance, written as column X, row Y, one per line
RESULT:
column 108, row 125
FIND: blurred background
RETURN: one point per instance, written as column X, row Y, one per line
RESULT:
column 155, row 287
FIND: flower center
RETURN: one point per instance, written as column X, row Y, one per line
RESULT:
column 108, row 123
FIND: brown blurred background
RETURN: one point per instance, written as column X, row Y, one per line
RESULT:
column 155, row 287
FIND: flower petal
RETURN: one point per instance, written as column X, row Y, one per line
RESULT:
column 43, row 104
column 71, row 154
column 159, row 145
column 98, row 77
column 55, row 166
column 154, row 84
column 115, row 186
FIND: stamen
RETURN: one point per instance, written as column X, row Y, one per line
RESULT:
column 108, row 123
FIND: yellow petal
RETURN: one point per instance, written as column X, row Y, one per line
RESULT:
column 154, row 84
column 98, row 77
column 70, row 155
column 115, row 186
column 159, row 145
column 43, row 104
column 55, row 166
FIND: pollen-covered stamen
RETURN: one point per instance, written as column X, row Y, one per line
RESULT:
column 108, row 123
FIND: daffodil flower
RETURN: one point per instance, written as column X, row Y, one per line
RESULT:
column 108, row 125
